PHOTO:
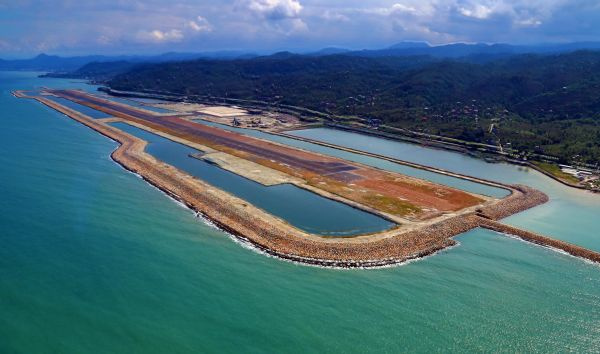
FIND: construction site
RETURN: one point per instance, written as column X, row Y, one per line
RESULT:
column 237, row 116
column 427, row 215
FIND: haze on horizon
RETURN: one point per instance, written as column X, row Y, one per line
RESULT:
column 69, row 27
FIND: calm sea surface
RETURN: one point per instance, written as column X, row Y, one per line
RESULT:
column 94, row 260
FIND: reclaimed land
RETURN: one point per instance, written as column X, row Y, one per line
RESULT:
column 274, row 236
column 399, row 197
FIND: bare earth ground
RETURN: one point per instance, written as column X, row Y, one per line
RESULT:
column 270, row 121
column 392, row 194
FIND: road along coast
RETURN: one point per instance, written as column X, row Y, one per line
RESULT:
column 275, row 236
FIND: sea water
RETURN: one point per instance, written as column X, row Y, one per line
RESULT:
column 94, row 260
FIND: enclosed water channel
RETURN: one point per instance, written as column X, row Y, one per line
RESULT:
column 90, row 112
column 459, row 183
column 301, row 208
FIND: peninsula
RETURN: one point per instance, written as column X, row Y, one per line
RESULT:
column 426, row 215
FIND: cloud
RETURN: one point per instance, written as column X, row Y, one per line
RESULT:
column 200, row 25
column 135, row 26
column 403, row 8
column 275, row 17
column 334, row 16
column 275, row 9
column 517, row 12
column 172, row 35
column 157, row 36
column 476, row 11
column 529, row 22
column 104, row 40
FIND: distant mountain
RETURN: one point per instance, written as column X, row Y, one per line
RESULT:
column 45, row 62
column 469, row 52
column 59, row 64
column 463, row 50
column 410, row 45
column 97, row 71
column 542, row 103
column 329, row 51
column 174, row 56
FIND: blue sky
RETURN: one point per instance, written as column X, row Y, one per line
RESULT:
column 72, row 27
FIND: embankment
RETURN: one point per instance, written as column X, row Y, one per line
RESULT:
column 541, row 240
column 522, row 198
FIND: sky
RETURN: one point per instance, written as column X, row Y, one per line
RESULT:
column 78, row 27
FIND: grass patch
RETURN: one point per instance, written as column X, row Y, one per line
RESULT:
column 391, row 205
column 555, row 171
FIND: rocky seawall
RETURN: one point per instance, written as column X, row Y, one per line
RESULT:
column 522, row 198
column 541, row 240
column 274, row 236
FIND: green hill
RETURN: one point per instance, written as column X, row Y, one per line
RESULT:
column 540, row 103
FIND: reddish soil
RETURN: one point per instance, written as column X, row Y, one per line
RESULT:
column 390, row 192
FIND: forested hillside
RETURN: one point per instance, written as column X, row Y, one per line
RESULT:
column 540, row 103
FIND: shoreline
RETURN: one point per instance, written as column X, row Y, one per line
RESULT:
column 560, row 180
column 277, row 238
column 430, row 142
column 415, row 165
column 435, row 144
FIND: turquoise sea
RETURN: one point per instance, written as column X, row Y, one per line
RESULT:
column 94, row 260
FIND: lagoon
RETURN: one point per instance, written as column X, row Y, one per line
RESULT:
column 304, row 209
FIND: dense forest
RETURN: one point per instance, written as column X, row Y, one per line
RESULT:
column 548, row 104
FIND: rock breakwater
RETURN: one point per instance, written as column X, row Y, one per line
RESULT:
column 541, row 240
column 276, row 237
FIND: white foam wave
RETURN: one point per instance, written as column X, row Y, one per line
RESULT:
column 247, row 244
column 554, row 249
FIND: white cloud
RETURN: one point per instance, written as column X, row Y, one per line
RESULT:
column 403, row 8
column 476, row 11
column 416, row 20
column 529, row 22
column 297, row 25
column 200, row 25
column 177, row 33
column 104, row 40
column 135, row 26
column 281, row 17
column 414, row 7
column 275, row 9
column 157, row 36
column 334, row 16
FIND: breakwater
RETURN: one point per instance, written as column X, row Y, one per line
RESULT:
column 276, row 237
column 522, row 198
column 541, row 240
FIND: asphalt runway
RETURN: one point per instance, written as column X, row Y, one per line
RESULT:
column 294, row 158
